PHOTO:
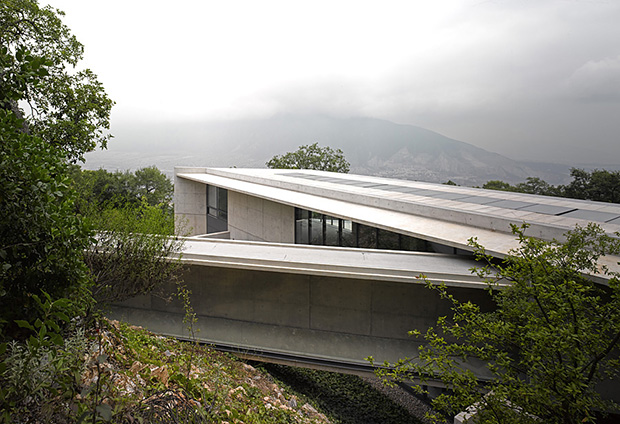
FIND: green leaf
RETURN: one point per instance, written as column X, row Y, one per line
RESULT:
column 56, row 339
column 24, row 324
column 105, row 411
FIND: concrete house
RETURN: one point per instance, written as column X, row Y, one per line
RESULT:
column 323, row 268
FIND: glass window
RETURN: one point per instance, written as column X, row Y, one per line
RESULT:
column 222, row 203
column 302, row 226
column 348, row 234
column 217, row 209
column 332, row 231
column 324, row 230
column 413, row 244
column 367, row 237
column 212, row 200
column 387, row 240
column 316, row 228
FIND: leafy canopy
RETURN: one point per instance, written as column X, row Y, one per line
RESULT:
column 66, row 107
column 102, row 188
column 598, row 185
column 66, row 114
column 548, row 345
column 311, row 157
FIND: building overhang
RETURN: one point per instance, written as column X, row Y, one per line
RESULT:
column 451, row 218
column 340, row 262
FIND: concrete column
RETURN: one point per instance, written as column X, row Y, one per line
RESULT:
column 190, row 203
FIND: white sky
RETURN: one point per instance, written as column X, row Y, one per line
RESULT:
column 533, row 79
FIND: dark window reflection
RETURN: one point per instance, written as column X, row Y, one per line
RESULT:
column 366, row 237
column 324, row 230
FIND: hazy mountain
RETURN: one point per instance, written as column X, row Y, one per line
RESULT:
column 372, row 146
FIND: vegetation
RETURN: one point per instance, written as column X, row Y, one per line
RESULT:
column 311, row 156
column 41, row 238
column 133, row 217
column 132, row 252
column 598, row 185
column 45, row 283
column 344, row 398
column 67, row 109
column 130, row 375
column 100, row 189
column 547, row 347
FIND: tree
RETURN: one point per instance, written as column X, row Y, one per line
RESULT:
column 103, row 188
column 549, row 343
column 67, row 109
column 41, row 239
column 498, row 185
column 311, row 157
column 135, row 250
column 153, row 185
column 599, row 185
column 535, row 185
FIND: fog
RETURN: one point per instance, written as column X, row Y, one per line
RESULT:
column 530, row 79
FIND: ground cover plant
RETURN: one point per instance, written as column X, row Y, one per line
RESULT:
column 117, row 373
column 344, row 398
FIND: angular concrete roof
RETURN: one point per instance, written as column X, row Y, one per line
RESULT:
column 365, row 264
column 436, row 212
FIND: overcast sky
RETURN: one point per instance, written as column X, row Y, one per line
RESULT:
column 531, row 79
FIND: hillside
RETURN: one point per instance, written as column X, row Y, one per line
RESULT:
column 119, row 373
column 372, row 146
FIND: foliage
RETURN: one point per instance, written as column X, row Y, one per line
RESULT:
column 345, row 398
column 69, row 110
column 134, row 251
column 39, row 377
column 102, row 188
column 533, row 185
column 598, row 185
column 146, row 379
column 552, row 339
column 498, row 185
column 311, row 157
column 67, row 115
column 41, row 239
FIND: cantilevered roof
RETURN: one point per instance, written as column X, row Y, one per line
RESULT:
column 436, row 212
column 364, row 264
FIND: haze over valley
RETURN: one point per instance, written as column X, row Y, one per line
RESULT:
column 372, row 146
column 233, row 83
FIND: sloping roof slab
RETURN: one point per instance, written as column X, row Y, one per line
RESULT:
column 414, row 208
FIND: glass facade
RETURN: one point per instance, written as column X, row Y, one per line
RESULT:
column 217, row 209
column 319, row 229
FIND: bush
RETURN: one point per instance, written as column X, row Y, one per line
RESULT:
column 134, row 252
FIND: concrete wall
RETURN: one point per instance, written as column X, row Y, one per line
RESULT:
column 190, row 204
column 316, row 316
column 255, row 219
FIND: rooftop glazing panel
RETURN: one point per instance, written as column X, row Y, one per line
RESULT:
column 572, row 212
column 479, row 200
column 615, row 221
column 511, row 204
column 548, row 209
column 592, row 215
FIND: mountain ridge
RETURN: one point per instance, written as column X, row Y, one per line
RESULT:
column 372, row 146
